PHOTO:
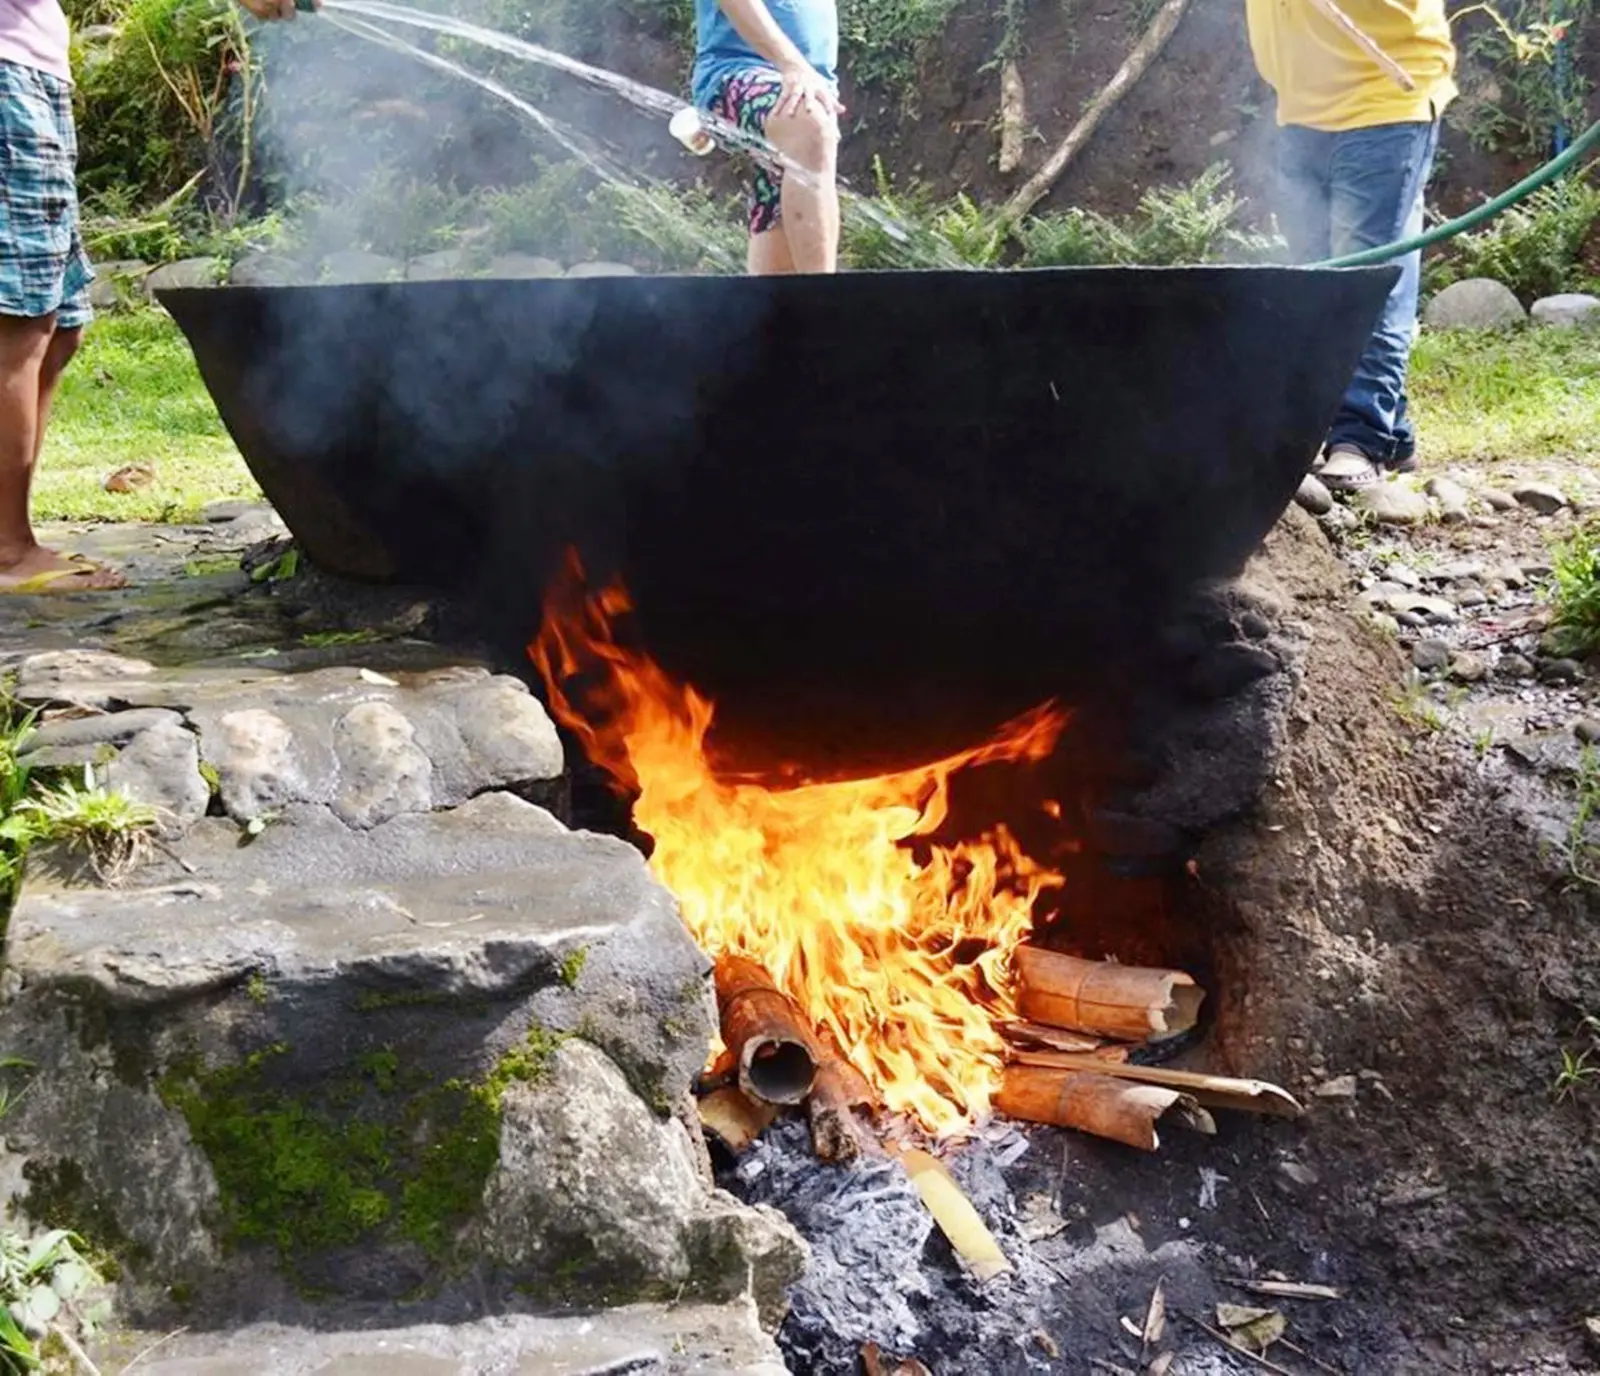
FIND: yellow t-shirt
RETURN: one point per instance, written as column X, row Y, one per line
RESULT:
column 1325, row 80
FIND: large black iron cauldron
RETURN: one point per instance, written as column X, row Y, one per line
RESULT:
column 877, row 499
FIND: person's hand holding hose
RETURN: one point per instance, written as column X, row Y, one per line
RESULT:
column 804, row 89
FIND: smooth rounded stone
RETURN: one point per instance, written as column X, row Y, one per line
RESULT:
column 1536, row 569
column 1560, row 671
column 1410, row 620
column 115, row 281
column 1515, row 666
column 84, row 678
column 1497, row 500
column 258, row 767
column 382, row 770
column 354, row 265
column 1553, row 644
column 1339, row 521
column 76, row 740
column 1469, row 667
column 1314, row 496
column 1479, row 303
column 1254, row 626
column 601, row 270
column 1587, row 731
column 435, row 267
column 1429, row 655
column 1544, row 498
column 1391, row 503
column 520, row 266
column 160, row 767
column 1422, row 604
column 1469, row 595
column 1226, row 669
column 187, row 272
column 1405, row 576
column 1455, row 502
column 1567, row 309
column 508, row 735
column 265, row 270
column 1460, row 570
column 593, row 1193
column 229, row 509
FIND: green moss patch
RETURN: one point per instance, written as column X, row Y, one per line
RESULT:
column 377, row 1156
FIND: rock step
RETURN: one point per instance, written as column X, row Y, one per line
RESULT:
column 641, row 1340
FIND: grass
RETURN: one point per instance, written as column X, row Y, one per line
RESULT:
column 1528, row 394
column 1576, row 591
column 133, row 396
column 1580, row 1067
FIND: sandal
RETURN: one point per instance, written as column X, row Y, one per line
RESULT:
column 1348, row 470
column 92, row 578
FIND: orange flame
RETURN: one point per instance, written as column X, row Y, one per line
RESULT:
column 906, row 964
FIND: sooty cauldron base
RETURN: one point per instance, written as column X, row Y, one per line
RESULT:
column 915, row 502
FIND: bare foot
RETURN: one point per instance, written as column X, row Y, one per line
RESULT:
column 43, row 570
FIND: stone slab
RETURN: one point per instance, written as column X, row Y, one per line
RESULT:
column 640, row 1340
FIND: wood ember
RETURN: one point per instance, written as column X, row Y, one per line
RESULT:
column 1210, row 1091
column 1121, row 1110
column 1121, row 1001
column 837, row 1134
column 771, row 1042
column 735, row 1118
column 876, row 1362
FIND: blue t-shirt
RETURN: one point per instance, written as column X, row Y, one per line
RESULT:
column 811, row 25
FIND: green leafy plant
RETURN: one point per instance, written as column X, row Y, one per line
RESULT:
column 1535, row 248
column 1579, row 1067
column 41, row 1279
column 1520, row 42
column 884, row 40
column 1575, row 591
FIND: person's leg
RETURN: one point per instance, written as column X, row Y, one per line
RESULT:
column 63, row 345
column 810, row 218
column 1379, row 175
column 24, row 345
column 1304, row 203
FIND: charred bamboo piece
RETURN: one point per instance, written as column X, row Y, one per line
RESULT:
column 1210, row 1091
column 837, row 1134
column 1120, row 1110
column 735, row 1118
column 772, row 1043
column 1120, row 1001
column 958, row 1220
column 1036, row 1036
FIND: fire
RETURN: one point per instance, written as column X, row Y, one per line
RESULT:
column 904, row 961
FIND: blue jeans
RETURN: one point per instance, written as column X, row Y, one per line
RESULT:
column 1340, row 192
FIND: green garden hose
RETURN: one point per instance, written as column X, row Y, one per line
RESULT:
column 1473, row 218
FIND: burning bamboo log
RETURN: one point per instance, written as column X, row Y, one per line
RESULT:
column 1210, row 1091
column 736, row 1118
column 1120, row 1001
column 771, row 1042
column 839, row 1090
column 1038, row 1036
column 1121, row 1110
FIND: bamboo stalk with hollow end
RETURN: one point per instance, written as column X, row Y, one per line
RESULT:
column 1125, row 1002
column 1210, row 1091
column 1117, row 1109
column 772, row 1044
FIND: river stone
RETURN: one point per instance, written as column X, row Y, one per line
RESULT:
column 1479, row 303
column 1428, row 655
column 638, row 1340
column 1469, row 667
column 447, row 263
column 187, row 272
column 69, row 741
column 1391, row 503
column 463, row 937
column 523, row 265
column 1314, row 496
column 382, row 772
column 1455, row 504
column 264, row 270
column 1544, row 498
column 354, row 265
column 260, row 764
column 601, row 270
column 116, row 280
column 76, row 678
column 592, row 1194
column 160, row 767
column 1567, row 309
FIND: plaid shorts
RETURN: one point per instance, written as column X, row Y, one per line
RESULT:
column 43, row 266
column 745, row 100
